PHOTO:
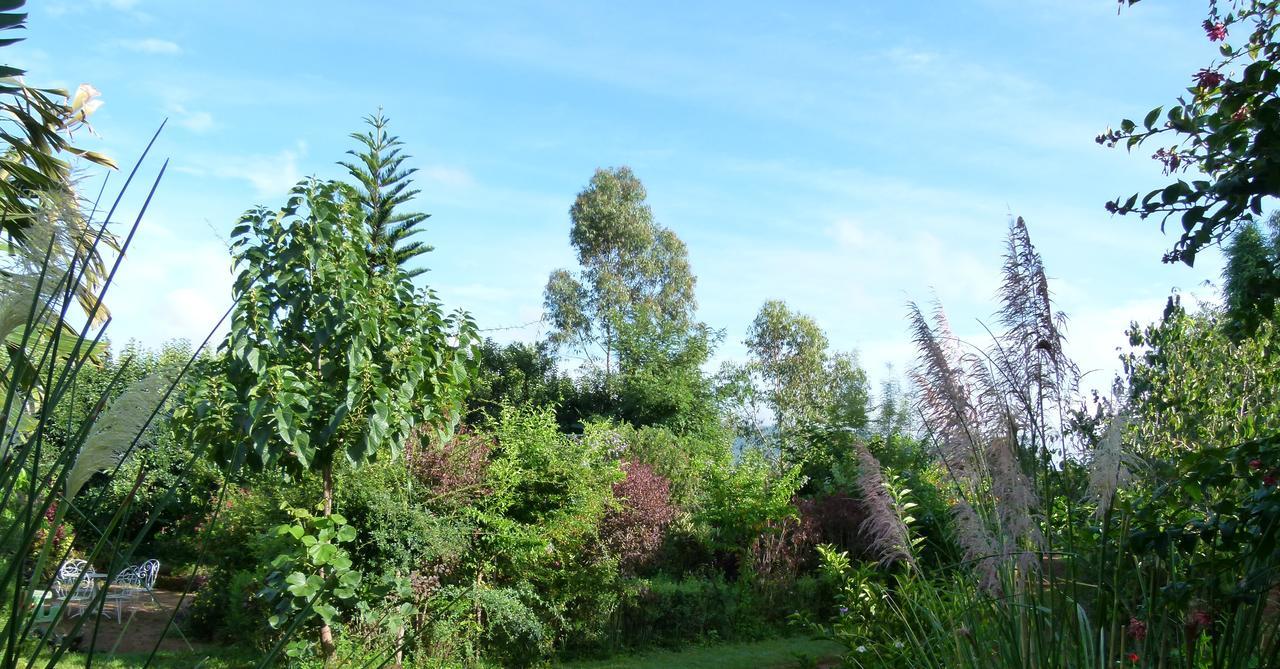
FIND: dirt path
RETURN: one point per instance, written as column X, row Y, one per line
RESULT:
column 141, row 626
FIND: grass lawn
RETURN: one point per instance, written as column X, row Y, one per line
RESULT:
column 772, row 654
column 214, row 658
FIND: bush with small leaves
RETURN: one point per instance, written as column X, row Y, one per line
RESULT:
column 634, row 529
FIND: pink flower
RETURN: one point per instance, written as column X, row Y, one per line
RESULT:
column 1137, row 629
column 1269, row 480
column 1255, row 464
column 1198, row 621
column 1172, row 161
column 1207, row 79
column 1216, row 31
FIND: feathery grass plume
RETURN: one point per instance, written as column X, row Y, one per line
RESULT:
column 1109, row 470
column 980, row 548
column 944, row 396
column 1030, row 352
column 994, row 412
column 883, row 528
column 17, row 294
column 122, row 425
column 1016, row 504
column 43, row 261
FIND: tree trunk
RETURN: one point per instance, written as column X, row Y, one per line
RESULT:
column 327, row 646
column 399, row 664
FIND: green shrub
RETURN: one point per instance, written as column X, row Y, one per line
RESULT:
column 672, row 613
column 227, row 609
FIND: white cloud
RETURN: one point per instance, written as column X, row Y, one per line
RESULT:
column 76, row 6
column 269, row 174
column 170, row 286
column 195, row 121
column 910, row 58
column 454, row 177
column 149, row 45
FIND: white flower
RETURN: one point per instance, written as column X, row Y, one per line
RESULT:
column 898, row 644
column 861, row 649
column 85, row 102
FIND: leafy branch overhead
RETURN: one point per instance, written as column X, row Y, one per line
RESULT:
column 1226, row 127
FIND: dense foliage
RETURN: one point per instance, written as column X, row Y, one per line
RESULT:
column 353, row 466
column 1227, row 128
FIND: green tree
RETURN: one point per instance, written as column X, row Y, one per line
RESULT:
column 1251, row 283
column 1203, row 420
column 810, row 393
column 632, row 271
column 661, row 381
column 517, row 375
column 384, row 185
column 326, row 356
column 1227, row 129
column 789, row 352
column 1192, row 388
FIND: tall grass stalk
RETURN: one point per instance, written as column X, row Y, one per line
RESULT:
column 40, row 479
column 1050, row 575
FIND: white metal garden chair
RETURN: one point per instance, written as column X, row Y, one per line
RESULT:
column 71, row 569
column 124, row 589
column 73, row 587
column 150, row 570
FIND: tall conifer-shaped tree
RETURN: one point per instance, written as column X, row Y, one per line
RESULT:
column 1251, row 284
column 384, row 186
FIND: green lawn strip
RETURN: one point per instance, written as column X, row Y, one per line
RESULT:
column 772, row 654
column 214, row 658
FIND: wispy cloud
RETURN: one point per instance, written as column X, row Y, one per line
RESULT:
column 174, row 284
column 149, row 45
column 269, row 174
column 445, row 175
column 195, row 121
column 60, row 8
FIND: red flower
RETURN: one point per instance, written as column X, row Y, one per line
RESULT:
column 1137, row 629
column 1216, row 31
column 1255, row 464
column 1133, row 657
column 1207, row 79
column 1269, row 480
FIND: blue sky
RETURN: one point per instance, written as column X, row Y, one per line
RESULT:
column 844, row 157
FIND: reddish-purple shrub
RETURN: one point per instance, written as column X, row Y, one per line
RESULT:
column 784, row 547
column 635, row 529
column 838, row 519
column 454, row 471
